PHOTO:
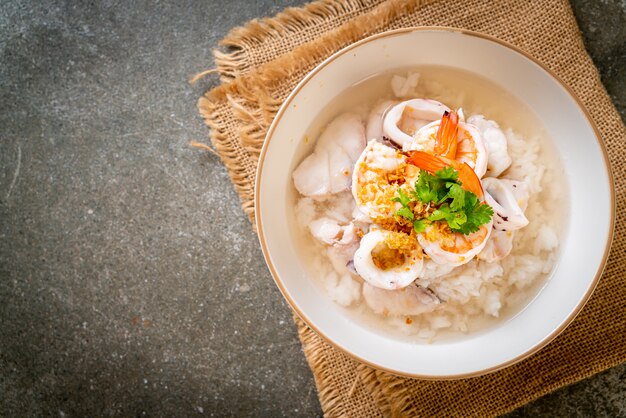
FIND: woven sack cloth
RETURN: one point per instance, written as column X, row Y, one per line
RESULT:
column 263, row 61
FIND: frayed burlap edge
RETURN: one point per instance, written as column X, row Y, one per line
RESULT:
column 240, row 40
column 255, row 89
column 240, row 155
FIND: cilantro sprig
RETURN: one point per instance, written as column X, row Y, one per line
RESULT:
column 459, row 208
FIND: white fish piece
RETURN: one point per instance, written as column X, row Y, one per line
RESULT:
column 404, row 119
column 495, row 142
column 340, row 255
column 340, row 169
column 340, row 207
column 329, row 231
column 411, row 300
column 502, row 196
column 392, row 278
column 312, row 177
column 326, row 230
column 374, row 129
column 347, row 132
column 328, row 169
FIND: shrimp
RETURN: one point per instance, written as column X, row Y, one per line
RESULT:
column 405, row 119
column 328, row 169
column 500, row 194
column 375, row 179
column 452, row 139
column 495, row 143
column 442, row 245
column 432, row 164
column 388, row 260
column 374, row 129
column 453, row 248
column 411, row 300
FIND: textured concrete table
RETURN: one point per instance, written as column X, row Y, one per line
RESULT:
column 130, row 281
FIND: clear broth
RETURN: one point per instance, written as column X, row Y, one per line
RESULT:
column 476, row 95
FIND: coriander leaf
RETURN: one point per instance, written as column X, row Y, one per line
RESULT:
column 477, row 215
column 453, row 218
column 471, row 201
column 459, row 208
column 405, row 212
column 457, row 194
column 439, row 214
column 427, row 187
column 480, row 215
column 419, row 225
column 457, row 221
column 483, row 213
column 447, row 173
column 403, row 198
column 468, row 228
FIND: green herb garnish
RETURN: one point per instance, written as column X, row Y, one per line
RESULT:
column 459, row 208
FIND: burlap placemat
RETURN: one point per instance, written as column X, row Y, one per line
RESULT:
column 265, row 61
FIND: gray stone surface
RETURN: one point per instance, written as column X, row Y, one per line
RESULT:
column 131, row 283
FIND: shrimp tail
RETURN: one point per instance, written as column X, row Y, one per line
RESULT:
column 432, row 164
column 446, row 140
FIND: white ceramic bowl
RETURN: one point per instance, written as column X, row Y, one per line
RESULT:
column 583, row 253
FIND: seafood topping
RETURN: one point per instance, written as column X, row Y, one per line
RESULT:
column 495, row 143
column 414, row 203
column 501, row 196
column 328, row 170
column 405, row 119
column 389, row 260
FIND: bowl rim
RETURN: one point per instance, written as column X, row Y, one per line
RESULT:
column 446, row 29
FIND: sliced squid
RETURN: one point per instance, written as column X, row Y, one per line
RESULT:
column 328, row 169
column 404, row 119
column 506, row 197
column 411, row 300
column 500, row 242
column 495, row 142
column 371, row 188
column 388, row 260
column 499, row 246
